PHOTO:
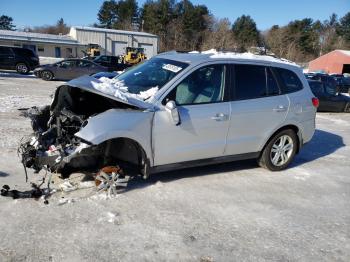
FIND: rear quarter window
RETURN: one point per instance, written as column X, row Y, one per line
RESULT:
column 24, row 52
column 5, row 50
column 290, row 82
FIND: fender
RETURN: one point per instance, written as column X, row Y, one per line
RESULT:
column 289, row 123
column 116, row 123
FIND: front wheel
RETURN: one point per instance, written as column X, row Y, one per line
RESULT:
column 22, row 68
column 46, row 75
column 280, row 151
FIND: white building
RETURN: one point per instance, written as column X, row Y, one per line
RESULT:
column 45, row 45
column 114, row 42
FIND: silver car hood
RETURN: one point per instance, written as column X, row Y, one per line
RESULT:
column 85, row 83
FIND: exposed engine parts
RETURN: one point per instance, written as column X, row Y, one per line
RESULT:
column 54, row 146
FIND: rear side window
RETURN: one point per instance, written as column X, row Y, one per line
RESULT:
column 5, row 50
column 253, row 81
column 24, row 52
column 289, row 80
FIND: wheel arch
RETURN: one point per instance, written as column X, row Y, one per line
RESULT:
column 127, row 151
column 293, row 127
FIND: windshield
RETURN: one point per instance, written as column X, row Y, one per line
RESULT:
column 154, row 73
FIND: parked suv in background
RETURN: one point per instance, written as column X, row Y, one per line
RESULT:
column 22, row 60
column 179, row 110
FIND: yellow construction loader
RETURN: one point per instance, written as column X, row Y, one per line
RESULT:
column 92, row 50
column 133, row 55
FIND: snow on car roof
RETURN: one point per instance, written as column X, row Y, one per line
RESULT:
column 196, row 56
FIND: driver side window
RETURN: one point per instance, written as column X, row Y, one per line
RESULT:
column 66, row 64
column 205, row 85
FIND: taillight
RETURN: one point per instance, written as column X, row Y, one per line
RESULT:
column 315, row 102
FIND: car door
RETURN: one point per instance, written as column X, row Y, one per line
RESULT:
column 7, row 58
column 85, row 67
column 334, row 103
column 257, row 108
column 66, row 70
column 204, row 113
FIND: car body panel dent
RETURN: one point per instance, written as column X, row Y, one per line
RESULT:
column 119, row 123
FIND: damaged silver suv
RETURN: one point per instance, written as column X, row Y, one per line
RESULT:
column 174, row 111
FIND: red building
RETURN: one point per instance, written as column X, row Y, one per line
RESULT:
column 335, row 62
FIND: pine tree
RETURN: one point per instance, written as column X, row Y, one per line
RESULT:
column 245, row 32
column 6, row 23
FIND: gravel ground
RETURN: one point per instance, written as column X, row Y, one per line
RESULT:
column 227, row 212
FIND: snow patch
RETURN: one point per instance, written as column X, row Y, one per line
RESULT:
column 332, row 118
column 110, row 218
column 248, row 56
column 251, row 56
column 118, row 89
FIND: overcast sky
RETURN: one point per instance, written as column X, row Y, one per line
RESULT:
column 265, row 12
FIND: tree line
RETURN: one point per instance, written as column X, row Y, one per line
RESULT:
column 182, row 25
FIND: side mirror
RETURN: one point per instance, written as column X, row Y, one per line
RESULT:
column 171, row 108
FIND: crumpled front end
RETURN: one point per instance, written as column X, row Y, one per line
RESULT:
column 54, row 145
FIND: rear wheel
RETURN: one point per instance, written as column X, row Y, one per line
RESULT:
column 22, row 68
column 280, row 151
column 46, row 75
column 347, row 107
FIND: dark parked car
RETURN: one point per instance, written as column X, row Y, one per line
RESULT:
column 20, row 59
column 328, row 81
column 68, row 69
column 329, row 100
column 343, row 83
column 111, row 62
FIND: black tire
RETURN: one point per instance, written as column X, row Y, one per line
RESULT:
column 22, row 68
column 347, row 107
column 46, row 75
column 267, row 156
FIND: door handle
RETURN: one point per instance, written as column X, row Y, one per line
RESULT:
column 280, row 108
column 219, row 117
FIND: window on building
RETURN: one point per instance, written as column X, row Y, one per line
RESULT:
column 41, row 49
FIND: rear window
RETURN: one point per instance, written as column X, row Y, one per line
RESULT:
column 289, row 80
column 24, row 52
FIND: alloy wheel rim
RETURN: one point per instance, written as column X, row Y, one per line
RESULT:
column 281, row 150
column 22, row 68
column 46, row 75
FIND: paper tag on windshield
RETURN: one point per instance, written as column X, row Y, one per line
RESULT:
column 172, row 68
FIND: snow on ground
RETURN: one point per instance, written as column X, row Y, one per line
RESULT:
column 49, row 60
column 227, row 212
